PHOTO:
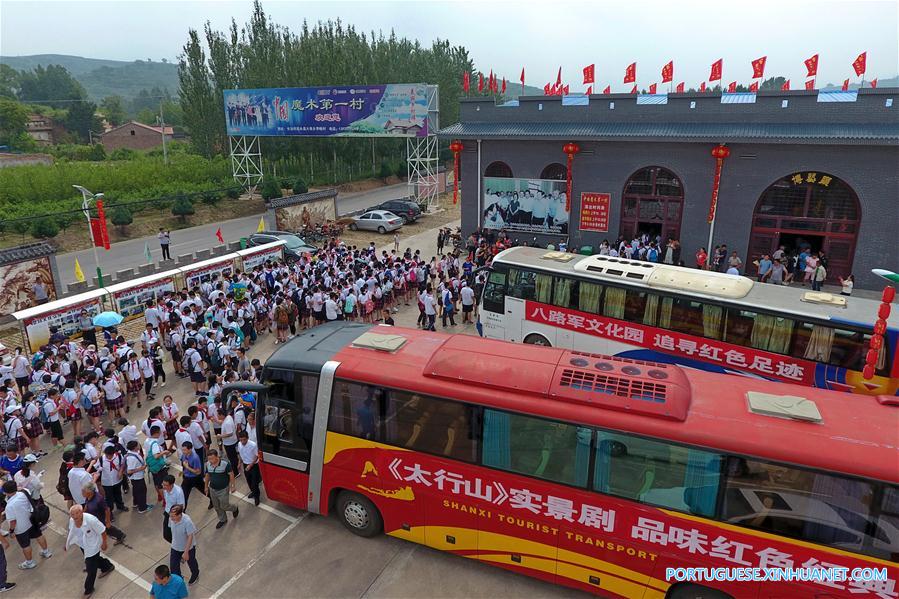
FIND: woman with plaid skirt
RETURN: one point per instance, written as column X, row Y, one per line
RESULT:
column 92, row 393
column 170, row 415
column 31, row 416
column 15, row 428
column 70, row 407
column 112, row 389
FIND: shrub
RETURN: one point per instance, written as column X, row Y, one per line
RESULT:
column 385, row 170
column 122, row 217
column 401, row 169
column 97, row 153
column 233, row 192
column 299, row 186
column 123, row 154
column 210, row 198
column 271, row 189
column 44, row 228
column 183, row 207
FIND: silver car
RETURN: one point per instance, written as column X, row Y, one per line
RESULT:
column 381, row 221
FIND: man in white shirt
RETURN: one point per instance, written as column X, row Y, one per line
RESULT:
column 184, row 546
column 228, row 437
column 89, row 533
column 18, row 515
column 249, row 457
column 172, row 495
column 427, row 299
column 467, row 295
column 78, row 477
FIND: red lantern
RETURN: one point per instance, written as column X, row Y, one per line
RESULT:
column 889, row 294
column 570, row 149
column 456, row 147
column 880, row 327
column 883, row 311
column 876, row 344
column 719, row 153
column 868, row 372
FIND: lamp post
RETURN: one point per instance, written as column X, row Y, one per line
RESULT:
column 87, row 196
column 719, row 153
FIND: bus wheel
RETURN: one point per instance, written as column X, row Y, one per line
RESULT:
column 359, row 514
column 535, row 339
column 695, row 591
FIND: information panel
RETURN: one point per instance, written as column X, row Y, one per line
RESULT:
column 595, row 211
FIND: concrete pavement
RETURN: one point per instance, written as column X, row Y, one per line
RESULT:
column 130, row 254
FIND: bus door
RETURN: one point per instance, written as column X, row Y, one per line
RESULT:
column 494, row 305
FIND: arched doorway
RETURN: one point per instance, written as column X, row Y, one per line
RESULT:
column 498, row 169
column 652, row 202
column 808, row 209
column 554, row 171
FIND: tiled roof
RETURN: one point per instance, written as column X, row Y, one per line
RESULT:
column 885, row 133
column 302, row 198
column 29, row 251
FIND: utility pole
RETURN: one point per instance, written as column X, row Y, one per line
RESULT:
column 165, row 153
column 86, row 197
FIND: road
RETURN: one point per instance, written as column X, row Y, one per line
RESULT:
column 129, row 254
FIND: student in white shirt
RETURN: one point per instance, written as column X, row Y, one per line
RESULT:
column 136, row 471
column 87, row 532
column 78, row 477
column 172, row 495
column 18, row 515
column 112, row 470
column 51, row 412
column 249, row 457
column 228, row 436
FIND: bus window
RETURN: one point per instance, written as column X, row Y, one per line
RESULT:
column 657, row 473
column 543, row 287
column 588, row 297
column 356, row 410
column 287, row 418
column 657, row 311
column 816, row 507
column 849, row 349
column 761, row 331
column 613, row 305
column 434, row 426
column 565, row 293
column 885, row 543
column 686, row 317
column 522, row 284
column 635, row 305
column 495, row 292
column 535, row 447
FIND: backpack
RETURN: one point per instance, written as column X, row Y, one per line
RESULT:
column 86, row 402
column 40, row 512
column 270, row 280
column 42, row 413
column 155, row 464
column 215, row 358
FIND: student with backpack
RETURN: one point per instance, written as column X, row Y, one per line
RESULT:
column 155, row 455
column 50, row 411
column 25, row 523
column 448, row 308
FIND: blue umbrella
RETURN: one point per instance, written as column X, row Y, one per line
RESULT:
column 108, row 319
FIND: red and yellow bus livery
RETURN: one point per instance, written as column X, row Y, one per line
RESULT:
column 590, row 471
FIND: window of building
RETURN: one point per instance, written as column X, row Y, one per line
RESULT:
column 812, row 506
column 544, row 449
column 498, row 169
column 657, row 473
column 132, row 132
column 555, row 172
column 436, row 426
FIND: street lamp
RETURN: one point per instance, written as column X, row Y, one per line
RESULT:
column 87, row 196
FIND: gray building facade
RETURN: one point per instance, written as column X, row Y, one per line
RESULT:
column 805, row 168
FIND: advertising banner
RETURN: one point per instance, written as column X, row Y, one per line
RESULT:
column 196, row 276
column 130, row 303
column 595, row 212
column 252, row 260
column 18, row 281
column 525, row 205
column 394, row 110
column 746, row 359
column 37, row 329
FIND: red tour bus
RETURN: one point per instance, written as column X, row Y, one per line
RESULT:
column 595, row 472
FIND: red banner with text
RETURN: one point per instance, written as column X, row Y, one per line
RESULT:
column 746, row 359
column 595, row 211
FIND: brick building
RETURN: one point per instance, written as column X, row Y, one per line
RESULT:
column 135, row 136
column 816, row 169
column 44, row 130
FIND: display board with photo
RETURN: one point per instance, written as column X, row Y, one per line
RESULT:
column 67, row 319
column 525, row 205
column 130, row 303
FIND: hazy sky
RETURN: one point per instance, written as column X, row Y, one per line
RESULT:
column 540, row 36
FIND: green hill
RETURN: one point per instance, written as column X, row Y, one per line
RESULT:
column 102, row 78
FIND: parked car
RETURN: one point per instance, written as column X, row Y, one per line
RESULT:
column 294, row 246
column 381, row 221
column 407, row 210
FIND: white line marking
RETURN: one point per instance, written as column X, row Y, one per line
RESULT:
column 258, row 557
column 131, row 576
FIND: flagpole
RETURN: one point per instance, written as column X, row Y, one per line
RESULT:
column 85, row 207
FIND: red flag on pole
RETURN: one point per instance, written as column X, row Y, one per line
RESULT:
column 634, row 90
column 607, row 90
column 668, row 72
column 845, row 85
column 630, row 74
column 732, row 87
column 590, row 90
column 758, row 67
column 652, row 88
column 504, row 85
column 546, row 90
column 466, row 81
column 810, row 84
column 559, row 77
column 480, row 82
column 490, row 81
column 522, row 80
column 754, row 86
column 218, row 234
column 680, row 88
column 812, row 65
column 702, row 86
column 715, row 75
column 859, row 63
column 589, row 73
column 786, row 86
column 874, row 83
column 565, row 91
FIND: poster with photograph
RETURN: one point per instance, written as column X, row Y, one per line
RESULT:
column 18, row 281
column 252, row 260
column 525, row 206
column 197, row 276
column 37, row 329
column 130, row 303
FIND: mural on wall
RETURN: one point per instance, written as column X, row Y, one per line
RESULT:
column 311, row 213
column 17, row 284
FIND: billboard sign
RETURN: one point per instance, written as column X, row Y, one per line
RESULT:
column 131, row 301
column 394, row 110
column 66, row 317
column 595, row 212
column 525, row 205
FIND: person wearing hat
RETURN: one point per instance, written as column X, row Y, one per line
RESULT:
column 18, row 515
column 29, row 480
column 14, row 428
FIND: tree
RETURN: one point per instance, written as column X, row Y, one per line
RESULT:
column 299, row 186
column 113, row 108
column 9, row 82
column 199, row 102
column 122, row 217
column 97, row 153
column 82, row 119
column 44, row 228
column 51, row 85
column 271, row 189
column 211, row 198
column 13, row 117
column 775, row 83
column 182, row 208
